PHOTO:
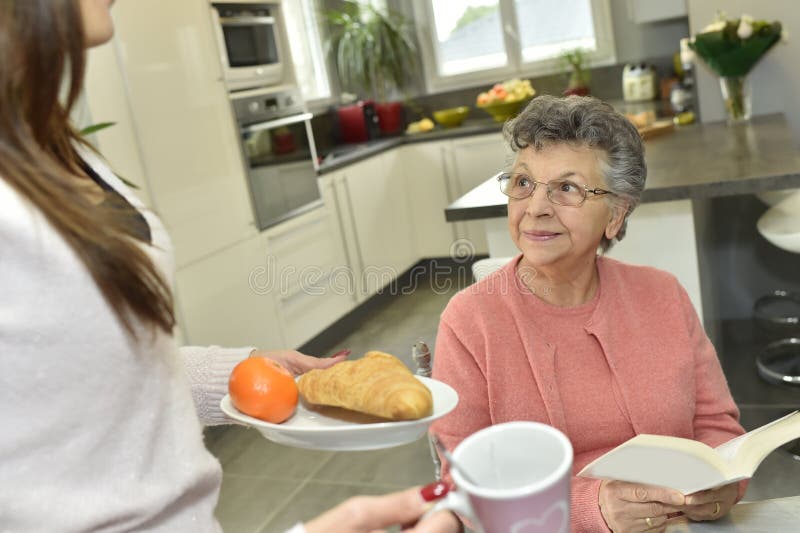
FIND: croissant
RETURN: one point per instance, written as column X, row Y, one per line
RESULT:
column 378, row 384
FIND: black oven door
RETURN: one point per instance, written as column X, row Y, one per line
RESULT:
column 250, row 39
column 281, row 161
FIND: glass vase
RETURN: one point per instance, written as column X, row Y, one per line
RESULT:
column 736, row 95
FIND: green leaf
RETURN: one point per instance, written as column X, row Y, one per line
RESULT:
column 88, row 130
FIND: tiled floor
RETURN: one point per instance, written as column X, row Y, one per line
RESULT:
column 268, row 487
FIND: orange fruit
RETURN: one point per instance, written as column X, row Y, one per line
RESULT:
column 264, row 389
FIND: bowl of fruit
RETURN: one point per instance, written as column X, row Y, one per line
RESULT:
column 504, row 100
column 451, row 118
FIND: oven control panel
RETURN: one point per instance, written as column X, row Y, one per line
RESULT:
column 267, row 106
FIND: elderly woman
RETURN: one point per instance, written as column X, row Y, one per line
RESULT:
column 599, row 349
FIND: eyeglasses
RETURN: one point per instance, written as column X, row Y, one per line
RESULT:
column 559, row 192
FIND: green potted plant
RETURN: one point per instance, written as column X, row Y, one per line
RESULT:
column 375, row 53
column 579, row 75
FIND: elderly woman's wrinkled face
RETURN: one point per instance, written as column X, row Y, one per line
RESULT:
column 560, row 236
column 97, row 24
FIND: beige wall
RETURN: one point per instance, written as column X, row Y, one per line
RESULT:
column 775, row 79
column 636, row 42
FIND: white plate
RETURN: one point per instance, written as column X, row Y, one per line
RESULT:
column 315, row 430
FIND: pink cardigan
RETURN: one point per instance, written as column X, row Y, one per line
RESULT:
column 666, row 370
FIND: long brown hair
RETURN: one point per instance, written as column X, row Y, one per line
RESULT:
column 39, row 41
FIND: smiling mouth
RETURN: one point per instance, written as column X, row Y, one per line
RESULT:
column 537, row 235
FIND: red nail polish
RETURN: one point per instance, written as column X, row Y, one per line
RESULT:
column 434, row 491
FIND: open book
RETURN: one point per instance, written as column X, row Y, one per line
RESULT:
column 688, row 465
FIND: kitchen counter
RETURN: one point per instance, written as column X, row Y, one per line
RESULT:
column 477, row 124
column 693, row 162
column 348, row 154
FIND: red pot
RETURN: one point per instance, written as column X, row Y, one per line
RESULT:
column 352, row 127
column 390, row 117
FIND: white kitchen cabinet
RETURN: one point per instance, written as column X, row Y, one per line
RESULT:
column 377, row 203
column 429, row 193
column 333, row 191
column 307, row 274
column 275, row 290
column 471, row 161
column 371, row 204
column 225, row 299
column 184, row 124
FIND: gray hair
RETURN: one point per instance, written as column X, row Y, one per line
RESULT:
column 586, row 121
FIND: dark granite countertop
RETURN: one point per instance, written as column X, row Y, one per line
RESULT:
column 697, row 161
column 348, row 154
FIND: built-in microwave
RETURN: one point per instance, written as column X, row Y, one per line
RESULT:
column 249, row 35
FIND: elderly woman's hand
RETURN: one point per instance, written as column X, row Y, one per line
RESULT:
column 363, row 514
column 711, row 504
column 634, row 507
column 298, row 363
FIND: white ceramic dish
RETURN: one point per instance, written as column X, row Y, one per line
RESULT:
column 317, row 430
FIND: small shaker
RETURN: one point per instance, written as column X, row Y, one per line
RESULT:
column 421, row 355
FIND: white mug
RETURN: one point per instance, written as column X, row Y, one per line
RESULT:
column 521, row 473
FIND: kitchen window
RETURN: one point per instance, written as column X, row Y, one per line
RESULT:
column 303, row 26
column 469, row 42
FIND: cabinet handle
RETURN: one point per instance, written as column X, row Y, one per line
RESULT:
column 272, row 124
column 353, row 224
column 339, row 220
column 448, row 187
column 284, row 298
column 278, row 235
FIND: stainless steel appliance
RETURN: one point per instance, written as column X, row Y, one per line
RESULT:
column 250, row 43
column 279, row 152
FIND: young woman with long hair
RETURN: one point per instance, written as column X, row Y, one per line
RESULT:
column 101, row 411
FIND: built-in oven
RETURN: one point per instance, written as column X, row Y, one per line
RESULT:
column 279, row 153
column 250, row 42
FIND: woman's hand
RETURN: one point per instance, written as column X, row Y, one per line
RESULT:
column 298, row 363
column 363, row 514
column 634, row 507
column 711, row 504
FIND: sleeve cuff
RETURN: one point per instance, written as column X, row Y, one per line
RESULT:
column 586, row 515
column 209, row 369
column 297, row 528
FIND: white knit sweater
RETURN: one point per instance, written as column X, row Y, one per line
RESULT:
column 97, row 432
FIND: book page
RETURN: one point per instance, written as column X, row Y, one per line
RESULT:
column 681, row 464
column 747, row 451
column 729, row 449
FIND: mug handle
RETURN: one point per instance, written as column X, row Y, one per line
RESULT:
column 458, row 502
